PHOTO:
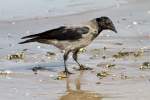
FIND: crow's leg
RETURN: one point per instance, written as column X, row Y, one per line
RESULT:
column 75, row 57
column 65, row 59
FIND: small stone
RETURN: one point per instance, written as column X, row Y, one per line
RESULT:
column 38, row 47
column 134, row 23
column 104, row 57
column 98, row 82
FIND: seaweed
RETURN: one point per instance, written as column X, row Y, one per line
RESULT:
column 102, row 74
column 145, row 65
column 122, row 54
column 19, row 55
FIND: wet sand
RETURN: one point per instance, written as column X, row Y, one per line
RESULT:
column 122, row 78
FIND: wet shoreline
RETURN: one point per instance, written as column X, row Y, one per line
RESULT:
column 119, row 61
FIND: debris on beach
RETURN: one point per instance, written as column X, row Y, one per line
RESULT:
column 98, row 82
column 82, row 50
column 35, row 69
column 102, row 74
column 82, row 67
column 50, row 54
column 104, row 57
column 138, row 53
column 123, row 76
column 145, row 65
column 18, row 55
column 110, row 65
column 61, row 76
column 39, row 68
column 122, row 54
column 5, row 72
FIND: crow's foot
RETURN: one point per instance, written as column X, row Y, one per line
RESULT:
column 67, row 72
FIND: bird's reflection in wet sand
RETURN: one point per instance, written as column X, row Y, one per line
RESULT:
column 78, row 93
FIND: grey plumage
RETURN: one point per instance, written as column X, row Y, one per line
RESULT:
column 60, row 33
column 71, row 39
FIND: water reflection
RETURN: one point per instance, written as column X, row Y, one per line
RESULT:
column 78, row 93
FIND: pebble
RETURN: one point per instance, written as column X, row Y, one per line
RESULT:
column 38, row 47
column 134, row 23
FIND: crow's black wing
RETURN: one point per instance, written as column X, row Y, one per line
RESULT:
column 61, row 33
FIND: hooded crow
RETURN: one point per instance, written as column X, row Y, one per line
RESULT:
column 72, row 39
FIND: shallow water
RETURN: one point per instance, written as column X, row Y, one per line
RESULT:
column 23, row 9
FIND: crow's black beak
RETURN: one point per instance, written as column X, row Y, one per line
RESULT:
column 114, row 29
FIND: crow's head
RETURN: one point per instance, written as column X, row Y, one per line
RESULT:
column 105, row 23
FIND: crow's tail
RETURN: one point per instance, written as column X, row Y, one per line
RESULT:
column 28, row 41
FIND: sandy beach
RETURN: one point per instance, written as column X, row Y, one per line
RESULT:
column 120, row 62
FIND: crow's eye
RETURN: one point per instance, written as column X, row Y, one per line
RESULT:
column 108, row 22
